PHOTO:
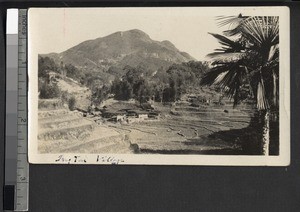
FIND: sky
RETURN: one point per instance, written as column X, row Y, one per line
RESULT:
column 58, row 29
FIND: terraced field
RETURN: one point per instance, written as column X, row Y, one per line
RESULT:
column 63, row 131
column 190, row 130
column 186, row 130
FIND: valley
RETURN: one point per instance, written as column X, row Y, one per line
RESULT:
column 128, row 94
column 178, row 129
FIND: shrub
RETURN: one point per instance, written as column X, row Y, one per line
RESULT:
column 72, row 103
column 65, row 97
column 49, row 91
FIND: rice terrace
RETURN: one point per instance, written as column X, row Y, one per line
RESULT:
column 127, row 93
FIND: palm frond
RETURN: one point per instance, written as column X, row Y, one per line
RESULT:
column 233, row 32
column 262, row 102
column 220, row 77
column 231, row 83
column 275, row 90
column 247, row 59
column 229, row 20
column 261, row 29
column 248, row 81
column 233, row 22
column 226, row 57
column 210, row 77
column 228, row 77
column 227, row 44
column 272, row 52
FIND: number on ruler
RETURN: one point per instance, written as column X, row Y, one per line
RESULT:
column 22, row 178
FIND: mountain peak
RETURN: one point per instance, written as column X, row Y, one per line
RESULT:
column 136, row 32
column 132, row 47
column 130, row 34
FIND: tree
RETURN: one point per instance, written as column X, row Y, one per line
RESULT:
column 125, row 90
column 45, row 65
column 49, row 91
column 72, row 103
column 131, row 85
column 99, row 94
column 249, row 58
column 161, row 79
column 73, row 72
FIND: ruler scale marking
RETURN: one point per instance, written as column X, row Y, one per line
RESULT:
column 11, row 111
column 22, row 164
column 16, row 164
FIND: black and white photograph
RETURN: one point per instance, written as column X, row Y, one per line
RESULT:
column 164, row 86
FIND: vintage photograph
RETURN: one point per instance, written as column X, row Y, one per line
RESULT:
column 153, row 85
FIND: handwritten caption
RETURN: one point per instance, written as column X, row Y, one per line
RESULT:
column 84, row 160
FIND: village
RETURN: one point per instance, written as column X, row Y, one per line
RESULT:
column 131, row 111
column 124, row 113
column 130, row 126
column 115, row 111
column 72, row 121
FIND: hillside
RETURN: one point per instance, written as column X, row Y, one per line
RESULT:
column 134, row 48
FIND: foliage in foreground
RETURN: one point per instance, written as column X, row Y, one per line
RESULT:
column 248, row 60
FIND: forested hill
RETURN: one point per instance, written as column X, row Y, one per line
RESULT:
column 124, row 65
column 115, row 51
column 164, row 85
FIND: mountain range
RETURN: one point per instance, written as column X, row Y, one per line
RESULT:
column 133, row 47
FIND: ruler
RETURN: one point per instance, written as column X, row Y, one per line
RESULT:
column 16, row 162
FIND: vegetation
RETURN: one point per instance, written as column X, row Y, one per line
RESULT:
column 164, row 86
column 131, row 85
column 245, row 67
column 140, row 83
column 99, row 94
column 72, row 103
column 45, row 65
column 248, row 61
column 49, row 91
column 74, row 73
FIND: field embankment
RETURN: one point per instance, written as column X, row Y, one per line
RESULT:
column 64, row 131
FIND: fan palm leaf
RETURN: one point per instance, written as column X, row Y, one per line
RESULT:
column 228, row 77
column 262, row 102
column 251, row 59
column 261, row 30
column 272, row 52
column 254, row 61
column 227, row 44
column 226, row 57
column 229, row 51
column 231, row 82
column 232, row 21
column 210, row 77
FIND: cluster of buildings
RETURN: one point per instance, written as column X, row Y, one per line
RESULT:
column 129, row 116
column 124, row 115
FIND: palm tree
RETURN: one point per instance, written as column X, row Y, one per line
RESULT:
column 249, row 60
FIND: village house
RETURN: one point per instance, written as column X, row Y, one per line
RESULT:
column 154, row 115
column 138, row 114
column 118, row 118
column 129, row 115
column 112, row 113
column 142, row 115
